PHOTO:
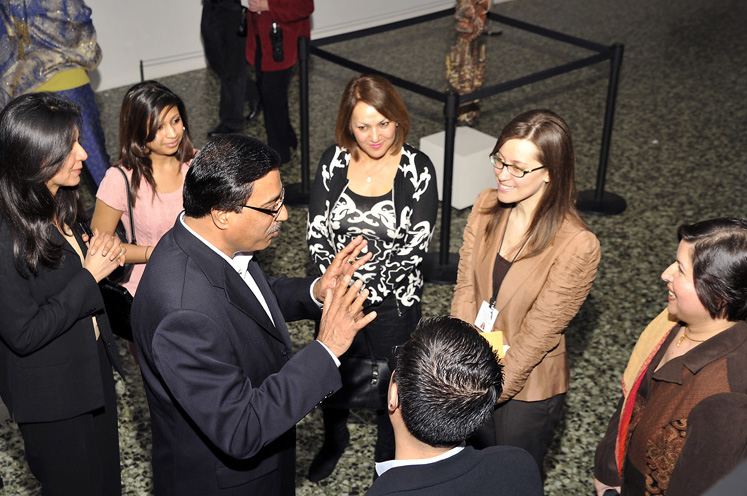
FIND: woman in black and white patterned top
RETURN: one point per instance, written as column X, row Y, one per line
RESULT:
column 373, row 184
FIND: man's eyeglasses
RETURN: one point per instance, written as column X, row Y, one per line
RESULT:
column 276, row 208
column 515, row 171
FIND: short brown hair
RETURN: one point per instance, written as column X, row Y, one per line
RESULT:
column 379, row 93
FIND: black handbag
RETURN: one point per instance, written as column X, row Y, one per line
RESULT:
column 117, row 300
column 118, row 304
column 365, row 381
column 123, row 273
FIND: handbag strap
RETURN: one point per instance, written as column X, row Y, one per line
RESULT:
column 129, row 207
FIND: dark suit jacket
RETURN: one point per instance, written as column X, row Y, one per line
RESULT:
column 49, row 365
column 498, row 470
column 223, row 391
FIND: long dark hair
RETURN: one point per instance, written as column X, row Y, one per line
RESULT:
column 552, row 137
column 138, row 124
column 37, row 133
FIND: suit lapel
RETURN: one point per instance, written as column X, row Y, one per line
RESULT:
column 222, row 275
column 272, row 303
column 522, row 270
column 516, row 275
column 515, row 278
column 241, row 296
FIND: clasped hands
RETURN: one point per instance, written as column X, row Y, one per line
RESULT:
column 343, row 316
column 258, row 5
column 105, row 253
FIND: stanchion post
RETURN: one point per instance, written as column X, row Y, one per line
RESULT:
column 297, row 194
column 609, row 117
column 452, row 108
column 303, row 57
column 436, row 266
column 599, row 201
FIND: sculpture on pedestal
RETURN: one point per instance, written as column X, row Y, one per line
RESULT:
column 465, row 63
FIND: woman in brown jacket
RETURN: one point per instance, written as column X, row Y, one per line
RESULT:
column 681, row 423
column 525, row 268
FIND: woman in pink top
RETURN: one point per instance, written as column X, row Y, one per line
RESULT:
column 155, row 150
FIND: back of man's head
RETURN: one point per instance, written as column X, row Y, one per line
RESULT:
column 448, row 380
column 222, row 174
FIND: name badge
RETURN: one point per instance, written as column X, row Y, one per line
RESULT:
column 486, row 317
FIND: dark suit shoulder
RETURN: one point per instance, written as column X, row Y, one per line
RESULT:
column 499, row 470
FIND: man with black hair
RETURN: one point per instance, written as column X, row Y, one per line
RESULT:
column 223, row 388
column 445, row 385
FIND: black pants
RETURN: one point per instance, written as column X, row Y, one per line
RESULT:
column 526, row 424
column 226, row 55
column 391, row 327
column 78, row 456
column 273, row 87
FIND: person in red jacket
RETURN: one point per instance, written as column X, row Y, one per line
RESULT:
column 274, row 27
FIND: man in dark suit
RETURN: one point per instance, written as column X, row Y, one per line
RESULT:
column 223, row 390
column 445, row 385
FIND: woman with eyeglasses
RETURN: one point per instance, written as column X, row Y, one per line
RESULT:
column 155, row 150
column 526, row 266
column 372, row 183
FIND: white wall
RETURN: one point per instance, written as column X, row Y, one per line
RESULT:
column 333, row 17
column 132, row 30
column 166, row 33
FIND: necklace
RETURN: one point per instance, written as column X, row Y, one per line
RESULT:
column 368, row 179
column 369, row 176
column 685, row 335
column 497, row 281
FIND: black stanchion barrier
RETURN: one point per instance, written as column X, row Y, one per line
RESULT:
column 444, row 271
column 297, row 194
column 598, row 201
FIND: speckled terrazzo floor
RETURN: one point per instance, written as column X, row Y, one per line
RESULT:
column 678, row 155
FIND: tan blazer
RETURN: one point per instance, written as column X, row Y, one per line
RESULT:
column 538, row 298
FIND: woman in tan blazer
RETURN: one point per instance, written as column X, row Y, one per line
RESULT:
column 547, row 263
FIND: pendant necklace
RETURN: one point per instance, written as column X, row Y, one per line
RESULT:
column 368, row 178
column 368, row 175
column 684, row 335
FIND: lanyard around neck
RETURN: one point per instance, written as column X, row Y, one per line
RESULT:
column 498, row 275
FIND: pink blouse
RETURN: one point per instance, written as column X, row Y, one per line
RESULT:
column 153, row 215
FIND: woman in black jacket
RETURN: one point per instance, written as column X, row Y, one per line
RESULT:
column 56, row 346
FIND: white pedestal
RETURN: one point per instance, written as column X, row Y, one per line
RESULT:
column 472, row 170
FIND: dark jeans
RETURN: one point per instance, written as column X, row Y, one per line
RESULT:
column 226, row 54
column 79, row 455
column 526, row 424
column 273, row 87
column 391, row 327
